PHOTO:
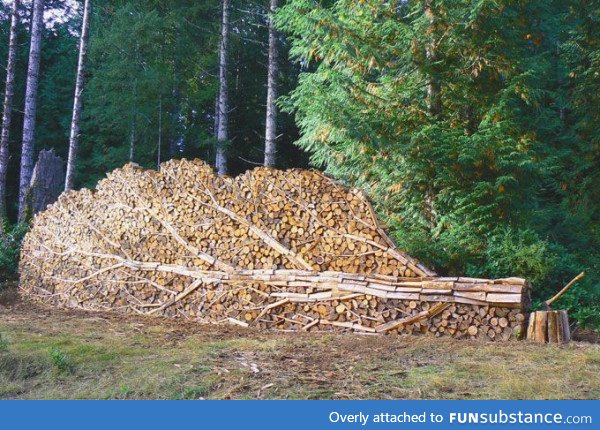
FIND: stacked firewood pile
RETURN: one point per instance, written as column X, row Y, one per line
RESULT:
column 290, row 250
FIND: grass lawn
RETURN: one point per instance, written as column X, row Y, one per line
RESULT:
column 54, row 354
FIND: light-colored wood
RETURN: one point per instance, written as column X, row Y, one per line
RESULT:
column 559, row 336
column 531, row 326
column 541, row 327
column 287, row 250
column 503, row 298
column 548, row 327
column 553, row 327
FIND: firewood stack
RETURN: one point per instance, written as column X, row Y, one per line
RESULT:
column 289, row 250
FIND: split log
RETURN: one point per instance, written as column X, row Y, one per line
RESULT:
column 549, row 327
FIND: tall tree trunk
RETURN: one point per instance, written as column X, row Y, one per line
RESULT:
column 216, row 123
column 223, row 104
column 37, row 27
column 176, row 136
column 132, row 134
column 74, row 136
column 46, row 181
column 271, row 120
column 434, row 105
column 8, row 104
column 132, row 138
column 434, row 102
column 159, row 144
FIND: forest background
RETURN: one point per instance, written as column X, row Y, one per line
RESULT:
column 474, row 126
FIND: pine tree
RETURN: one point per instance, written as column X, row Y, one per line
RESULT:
column 426, row 105
column 143, row 55
column 582, row 52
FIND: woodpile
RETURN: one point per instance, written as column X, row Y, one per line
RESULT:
column 291, row 250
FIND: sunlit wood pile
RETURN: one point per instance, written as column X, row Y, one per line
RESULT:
column 289, row 250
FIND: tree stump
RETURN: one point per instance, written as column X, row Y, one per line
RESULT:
column 47, row 181
column 549, row 327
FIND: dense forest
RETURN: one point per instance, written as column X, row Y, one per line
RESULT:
column 473, row 126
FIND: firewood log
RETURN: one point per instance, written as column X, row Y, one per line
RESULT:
column 549, row 327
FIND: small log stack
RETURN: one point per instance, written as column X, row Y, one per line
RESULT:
column 290, row 250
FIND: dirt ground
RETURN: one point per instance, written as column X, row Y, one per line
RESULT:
column 49, row 354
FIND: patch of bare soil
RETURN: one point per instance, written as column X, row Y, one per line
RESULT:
column 586, row 335
column 8, row 293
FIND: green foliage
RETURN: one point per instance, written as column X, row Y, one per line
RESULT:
column 10, row 248
column 365, row 116
column 55, row 94
column 61, row 361
column 153, row 73
column 193, row 393
column 521, row 253
column 583, row 302
column 3, row 344
column 137, row 74
column 476, row 139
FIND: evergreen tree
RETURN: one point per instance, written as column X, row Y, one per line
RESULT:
column 428, row 114
column 458, row 118
column 146, row 59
